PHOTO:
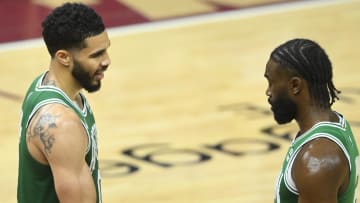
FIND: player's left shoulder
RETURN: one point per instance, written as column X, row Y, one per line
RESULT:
column 319, row 160
column 320, row 165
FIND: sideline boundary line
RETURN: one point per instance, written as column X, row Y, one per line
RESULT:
column 222, row 16
column 189, row 21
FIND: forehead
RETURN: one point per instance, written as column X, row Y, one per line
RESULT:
column 97, row 42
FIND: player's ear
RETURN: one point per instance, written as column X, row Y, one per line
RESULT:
column 296, row 84
column 63, row 57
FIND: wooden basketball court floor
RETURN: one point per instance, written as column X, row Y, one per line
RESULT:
column 182, row 115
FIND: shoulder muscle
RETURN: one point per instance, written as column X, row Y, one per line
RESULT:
column 57, row 128
column 320, row 169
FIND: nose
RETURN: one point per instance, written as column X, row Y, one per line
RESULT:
column 107, row 61
column 267, row 92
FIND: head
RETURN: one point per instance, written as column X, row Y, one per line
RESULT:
column 75, row 37
column 298, row 70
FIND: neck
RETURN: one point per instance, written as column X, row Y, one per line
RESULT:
column 63, row 80
column 308, row 117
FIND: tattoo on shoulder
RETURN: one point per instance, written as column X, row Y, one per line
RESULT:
column 42, row 128
column 51, row 83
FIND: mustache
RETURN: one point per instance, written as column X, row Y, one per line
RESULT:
column 101, row 69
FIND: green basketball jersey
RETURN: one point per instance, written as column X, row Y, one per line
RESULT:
column 341, row 134
column 35, row 180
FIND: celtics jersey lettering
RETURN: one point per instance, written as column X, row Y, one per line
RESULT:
column 35, row 180
column 341, row 134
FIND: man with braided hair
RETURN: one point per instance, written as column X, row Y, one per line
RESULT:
column 58, row 154
column 321, row 165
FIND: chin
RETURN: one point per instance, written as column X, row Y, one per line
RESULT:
column 94, row 88
column 283, row 120
column 280, row 122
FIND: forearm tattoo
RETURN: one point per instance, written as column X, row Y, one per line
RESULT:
column 42, row 129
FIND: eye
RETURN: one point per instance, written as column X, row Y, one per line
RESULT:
column 97, row 54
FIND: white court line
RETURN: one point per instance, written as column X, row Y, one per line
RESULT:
column 189, row 21
column 222, row 16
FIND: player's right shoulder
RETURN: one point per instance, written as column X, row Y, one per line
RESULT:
column 51, row 123
column 57, row 110
column 51, row 116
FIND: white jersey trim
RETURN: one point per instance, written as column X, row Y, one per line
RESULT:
column 40, row 87
column 277, row 190
column 288, row 180
column 59, row 101
column 41, row 104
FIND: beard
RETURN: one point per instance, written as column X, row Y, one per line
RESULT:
column 284, row 109
column 85, row 78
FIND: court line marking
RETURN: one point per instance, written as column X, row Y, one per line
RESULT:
column 222, row 16
column 189, row 21
column 9, row 95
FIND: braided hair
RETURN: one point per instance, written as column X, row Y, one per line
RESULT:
column 308, row 60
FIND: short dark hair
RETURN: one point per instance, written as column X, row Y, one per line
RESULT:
column 307, row 59
column 67, row 27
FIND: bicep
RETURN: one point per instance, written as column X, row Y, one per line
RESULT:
column 73, row 186
column 319, row 171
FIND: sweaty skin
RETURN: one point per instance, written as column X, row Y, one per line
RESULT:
column 316, row 162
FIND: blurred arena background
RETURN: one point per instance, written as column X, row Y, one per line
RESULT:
column 182, row 114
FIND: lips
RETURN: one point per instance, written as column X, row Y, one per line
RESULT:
column 271, row 105
column 99, row 76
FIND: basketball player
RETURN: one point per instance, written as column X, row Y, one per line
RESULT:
column 58, row 143
column 321, row 163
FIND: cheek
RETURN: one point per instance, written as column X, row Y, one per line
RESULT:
column 90, row 66
column 272, row 90
column 278, row 92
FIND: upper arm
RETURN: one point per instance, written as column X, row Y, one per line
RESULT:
column 63, row 141
column 320, row 171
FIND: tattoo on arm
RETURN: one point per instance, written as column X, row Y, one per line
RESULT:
column 42, row 129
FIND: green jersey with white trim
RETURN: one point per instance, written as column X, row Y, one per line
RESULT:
column 341, row 134
column 35, row 180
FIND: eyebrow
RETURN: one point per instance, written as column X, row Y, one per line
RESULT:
column 98, row 52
